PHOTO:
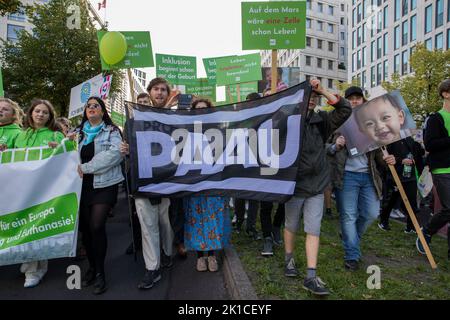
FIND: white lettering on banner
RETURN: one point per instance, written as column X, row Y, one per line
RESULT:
column 204, row 151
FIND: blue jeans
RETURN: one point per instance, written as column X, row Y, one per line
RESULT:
column 358, row 206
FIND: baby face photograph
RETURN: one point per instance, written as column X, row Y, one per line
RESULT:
column 376, row 123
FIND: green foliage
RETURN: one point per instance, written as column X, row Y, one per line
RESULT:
column 9, row 6
column 52, row 59
column 420, row 90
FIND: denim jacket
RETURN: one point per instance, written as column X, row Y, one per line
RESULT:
column 105, row 165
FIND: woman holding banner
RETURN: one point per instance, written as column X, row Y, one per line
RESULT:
column 10, row 123
column 99, row 144
column 41, row 131
column 207, row 225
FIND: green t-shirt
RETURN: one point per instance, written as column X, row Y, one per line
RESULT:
column 37, row 138
column 446, row 115
column 8, row 134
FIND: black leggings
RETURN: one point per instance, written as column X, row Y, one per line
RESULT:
column 410, row 188
column 93, row 227
column 266, row 217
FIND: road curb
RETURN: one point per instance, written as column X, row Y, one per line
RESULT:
column 236, row 279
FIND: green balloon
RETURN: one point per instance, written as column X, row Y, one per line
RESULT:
column 113, row 47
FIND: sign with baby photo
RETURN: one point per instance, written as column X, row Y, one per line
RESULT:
column 376, row 123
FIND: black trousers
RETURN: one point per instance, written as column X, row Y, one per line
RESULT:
column 411, row 193
column 176, row 216
column 239, row 209
column 440, row 219
column 266, row 217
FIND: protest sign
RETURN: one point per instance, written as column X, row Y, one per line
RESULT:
column 98, row 86
column 118, row 119
column 139, row 52
column 273, row 25
column 244, row 89
column 176, row 69
column 286, row 77
column 248, row 150
column 238, row 69
column 210, row 65
column 202, row 88
column 377, row 123
column 42, row 222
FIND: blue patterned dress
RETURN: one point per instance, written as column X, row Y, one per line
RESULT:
column 207, row 223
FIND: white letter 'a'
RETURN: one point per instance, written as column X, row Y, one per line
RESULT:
column 74, row 20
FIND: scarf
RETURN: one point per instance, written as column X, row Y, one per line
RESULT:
column 91, row 132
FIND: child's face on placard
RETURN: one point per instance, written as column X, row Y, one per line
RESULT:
column 381, row 121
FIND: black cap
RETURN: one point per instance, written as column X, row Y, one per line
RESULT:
column 353, row 90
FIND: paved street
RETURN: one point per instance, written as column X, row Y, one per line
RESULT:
column 122, row 272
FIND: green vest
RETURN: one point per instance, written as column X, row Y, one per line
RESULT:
column 446, row 116
column 8, row 134
column 37, row 138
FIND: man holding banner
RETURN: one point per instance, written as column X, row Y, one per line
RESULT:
column 312, row 179
column 154, row 213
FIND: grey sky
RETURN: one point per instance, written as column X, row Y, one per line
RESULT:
column 201, row 28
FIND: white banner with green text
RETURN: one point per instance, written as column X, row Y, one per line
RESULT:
column 39, row 200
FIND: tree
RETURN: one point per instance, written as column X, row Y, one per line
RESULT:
column 420, row 89
column 9, row 6
column 50, row 61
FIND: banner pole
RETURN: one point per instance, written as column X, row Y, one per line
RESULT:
column 274, row 80
column 130, row 81
column 127, row 186
column 410, row 211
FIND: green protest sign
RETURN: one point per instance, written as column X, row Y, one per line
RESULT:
column 176, row 69
column 245, row 89
column 125, row 50
column 273, row 25
column 210, row 65
column 238, row 69
column 202, row 89
column 2, row 93
column 118, row 119
column 44, row 220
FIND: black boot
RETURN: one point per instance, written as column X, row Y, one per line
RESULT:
column 99, row 284
column 88, row 278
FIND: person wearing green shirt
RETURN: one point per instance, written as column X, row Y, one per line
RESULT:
column 10, row 123
column 41, row 131
column 437, row 143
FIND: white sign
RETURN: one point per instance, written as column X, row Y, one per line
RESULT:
column 98, row 86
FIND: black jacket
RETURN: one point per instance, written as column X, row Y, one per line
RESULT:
column 313, row 174
column 437, row 142
column 400, row 150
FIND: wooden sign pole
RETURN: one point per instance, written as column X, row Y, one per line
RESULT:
column 410, row 212
column 229, row 94
column 274, row 72
column 238, row 92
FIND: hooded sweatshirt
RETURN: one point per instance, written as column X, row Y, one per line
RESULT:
column 37, row 138
column 9, row 133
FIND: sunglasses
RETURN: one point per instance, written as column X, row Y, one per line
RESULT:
column 93, row 106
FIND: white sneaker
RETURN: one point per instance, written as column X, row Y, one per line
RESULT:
column 397, row 214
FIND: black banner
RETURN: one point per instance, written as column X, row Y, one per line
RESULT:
column 248, row 150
